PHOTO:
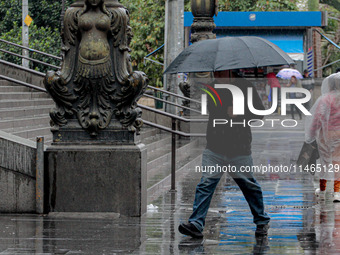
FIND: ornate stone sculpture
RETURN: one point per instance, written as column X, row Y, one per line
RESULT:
column 96, row 89
column 203, row 25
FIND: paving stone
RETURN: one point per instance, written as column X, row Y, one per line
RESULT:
column 299, row 223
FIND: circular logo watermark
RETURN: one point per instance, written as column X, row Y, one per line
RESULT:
column 252, row 16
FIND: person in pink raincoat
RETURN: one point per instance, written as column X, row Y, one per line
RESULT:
column 324, row 128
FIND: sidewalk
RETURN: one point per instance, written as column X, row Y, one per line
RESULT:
column 299, row 224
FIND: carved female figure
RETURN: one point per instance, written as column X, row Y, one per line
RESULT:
column 94, row 76
column 96, row 80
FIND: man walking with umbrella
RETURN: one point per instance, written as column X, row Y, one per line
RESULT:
column 228, row 145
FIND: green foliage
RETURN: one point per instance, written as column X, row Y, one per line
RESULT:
column 278, row 5
column 14, row 35
column 147, row 19
column 313, row 5
column 253, row 5
column 44, row 32
column 329, row 52
column 10, row 14
column 245, row 5
column 45, row 13
column 334, row 3
column 44, row 39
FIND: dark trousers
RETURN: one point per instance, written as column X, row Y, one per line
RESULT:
column 292, row 107
column 205, row 189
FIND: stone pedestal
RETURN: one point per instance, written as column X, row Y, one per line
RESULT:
column 97, row 178
column 95, row 163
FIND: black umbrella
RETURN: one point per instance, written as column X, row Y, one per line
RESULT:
column 228, row 53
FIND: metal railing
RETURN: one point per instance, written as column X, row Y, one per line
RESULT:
column 28, row 58
column 174, row 94
column 23, row 83
column 171, row 103
column 173, row 130
column 174, row 118
column 31, row 50
column 22, row 68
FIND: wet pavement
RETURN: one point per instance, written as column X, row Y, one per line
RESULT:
column 299, row 223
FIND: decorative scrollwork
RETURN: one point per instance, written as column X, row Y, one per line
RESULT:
column 127, row 111
column 62, row 96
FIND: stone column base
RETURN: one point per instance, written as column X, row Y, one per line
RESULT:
column 97, row 178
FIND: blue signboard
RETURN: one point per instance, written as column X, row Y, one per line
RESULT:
column 290, row 41
column 263, row 19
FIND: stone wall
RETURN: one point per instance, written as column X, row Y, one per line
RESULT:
column 21, row 75
column 17, row 174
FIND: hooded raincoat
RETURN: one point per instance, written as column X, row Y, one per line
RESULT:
column 323, row 126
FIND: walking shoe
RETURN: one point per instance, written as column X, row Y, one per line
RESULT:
column 262, row 230
column 320, row 194
column 336, row 197
column 190, row 230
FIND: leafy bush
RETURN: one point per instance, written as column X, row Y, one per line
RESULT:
column 253, row 5
column 147, row 19
column 43, row 39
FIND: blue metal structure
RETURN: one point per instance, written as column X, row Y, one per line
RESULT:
column 263, row 19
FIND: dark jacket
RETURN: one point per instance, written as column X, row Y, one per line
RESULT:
column 224, row 139
column 307, row 82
